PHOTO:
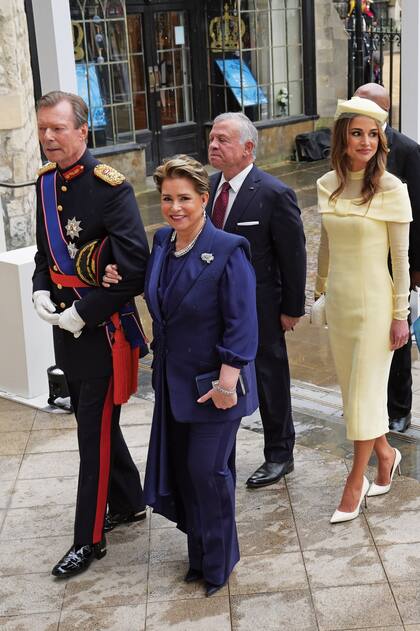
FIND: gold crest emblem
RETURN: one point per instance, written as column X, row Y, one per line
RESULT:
column 109, row 174
column 50, row 166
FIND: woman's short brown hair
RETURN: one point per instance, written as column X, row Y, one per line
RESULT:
column 186, row 167
column 341, row 162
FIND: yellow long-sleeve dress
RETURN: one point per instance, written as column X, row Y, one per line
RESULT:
column 361, row 297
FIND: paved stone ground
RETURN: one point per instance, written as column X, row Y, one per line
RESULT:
column 297, row 572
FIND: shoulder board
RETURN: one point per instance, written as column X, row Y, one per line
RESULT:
column 108, row 174
column 50, row 166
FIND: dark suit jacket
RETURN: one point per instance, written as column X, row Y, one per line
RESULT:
column 207, row 317
column 103, row 210
column 404, row 162
column 277, row 244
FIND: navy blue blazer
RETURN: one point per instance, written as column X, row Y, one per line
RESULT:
column 404, row 162
column 266, row 213
column 207, row 317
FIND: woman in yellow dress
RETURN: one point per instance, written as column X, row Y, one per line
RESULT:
column 365, row 215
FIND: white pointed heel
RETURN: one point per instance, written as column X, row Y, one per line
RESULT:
column 381, row 489
column 340, row 516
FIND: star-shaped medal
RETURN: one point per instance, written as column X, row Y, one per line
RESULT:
column 73, row 228
column 72, row 250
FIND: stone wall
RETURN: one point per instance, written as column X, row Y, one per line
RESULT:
column 19, row 148
column 331, row 59
column 278, row 143
column 131, row 163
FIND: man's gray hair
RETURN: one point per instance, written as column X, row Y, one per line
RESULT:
column 247, row 130
column 78, row 105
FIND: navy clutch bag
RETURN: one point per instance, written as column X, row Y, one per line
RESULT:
column 204, row 384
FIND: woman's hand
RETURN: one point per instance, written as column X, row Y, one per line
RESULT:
column 111, row 276
column 221, row 401
column 399, row 334
column 228, row 379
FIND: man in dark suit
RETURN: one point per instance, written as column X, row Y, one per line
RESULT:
column 404, row 162
column 83, row 207
column 247, row 201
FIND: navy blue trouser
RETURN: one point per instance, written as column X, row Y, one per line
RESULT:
column 203, row 457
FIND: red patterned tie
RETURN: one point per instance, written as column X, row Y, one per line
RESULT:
column 219, row 210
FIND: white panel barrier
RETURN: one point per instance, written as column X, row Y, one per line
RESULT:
column 26, row 346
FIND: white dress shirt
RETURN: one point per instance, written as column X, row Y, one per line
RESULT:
column 235, row 185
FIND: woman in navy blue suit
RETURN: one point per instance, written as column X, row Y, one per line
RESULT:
column 200, row 291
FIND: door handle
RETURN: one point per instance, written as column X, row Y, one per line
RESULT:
column 152, row 78
column 157, row 77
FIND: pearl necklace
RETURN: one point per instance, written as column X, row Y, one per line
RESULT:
column 188, row 247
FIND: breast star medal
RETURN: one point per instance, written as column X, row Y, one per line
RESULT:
column 73, row 228
column 71, row 247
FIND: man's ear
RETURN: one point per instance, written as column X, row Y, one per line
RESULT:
column 84, row 131
column 249, row 147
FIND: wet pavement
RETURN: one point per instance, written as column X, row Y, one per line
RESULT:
column 297, row 572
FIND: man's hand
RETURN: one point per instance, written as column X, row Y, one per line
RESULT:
column 415, row 280
column 44, row 306
column 111, row 276
column 288, row 323
column 69, row 320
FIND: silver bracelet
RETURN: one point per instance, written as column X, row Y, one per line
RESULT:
column 225, row 391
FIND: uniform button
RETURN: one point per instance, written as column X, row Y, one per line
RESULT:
column 59, row 207
column 64, row 189
column 59, row 286
column 55, row 268
column 62, row 305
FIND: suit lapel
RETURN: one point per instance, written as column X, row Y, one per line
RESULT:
column 214, row 183
column 159, row 251
column 244, row 197
column 190, row 271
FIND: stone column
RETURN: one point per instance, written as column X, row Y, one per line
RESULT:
column 19, row 147
column 54, row 42
column 410, row 69
column 331, row 58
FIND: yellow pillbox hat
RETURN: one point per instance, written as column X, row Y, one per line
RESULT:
column 360, row 107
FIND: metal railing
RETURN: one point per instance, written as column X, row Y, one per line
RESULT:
column 379, row 46
column 16, row 184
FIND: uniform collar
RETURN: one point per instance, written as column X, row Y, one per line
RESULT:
column 85, row 163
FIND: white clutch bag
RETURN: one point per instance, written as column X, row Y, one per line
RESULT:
column 318, row 316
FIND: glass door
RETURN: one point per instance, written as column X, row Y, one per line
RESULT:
column 162, row 76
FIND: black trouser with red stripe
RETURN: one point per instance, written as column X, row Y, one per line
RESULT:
column 107, row 472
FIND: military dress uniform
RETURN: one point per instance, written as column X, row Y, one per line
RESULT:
column 92, row 203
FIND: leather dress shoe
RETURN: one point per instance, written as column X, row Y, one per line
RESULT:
column 78, row 559
column 112, row 521
column 400, row 424
column 269, row 473
column 193, row 575
column 212, row 589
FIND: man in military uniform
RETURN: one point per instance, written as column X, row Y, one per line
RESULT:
column 86, row 212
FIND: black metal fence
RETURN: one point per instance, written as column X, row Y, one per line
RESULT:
column 381, row 44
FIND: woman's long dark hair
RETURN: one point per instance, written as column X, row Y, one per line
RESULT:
column 341, row 162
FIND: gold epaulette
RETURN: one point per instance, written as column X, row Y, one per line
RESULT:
column 109, row 174
column 50, row 166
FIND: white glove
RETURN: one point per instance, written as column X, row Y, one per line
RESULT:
column 69, row 320
column 44, row 306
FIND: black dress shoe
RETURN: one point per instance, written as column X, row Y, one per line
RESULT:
column 78, row 559
column 112, row 521
column 269, row 473
column 212, row 589
column 400, row 424
column 193, row 575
